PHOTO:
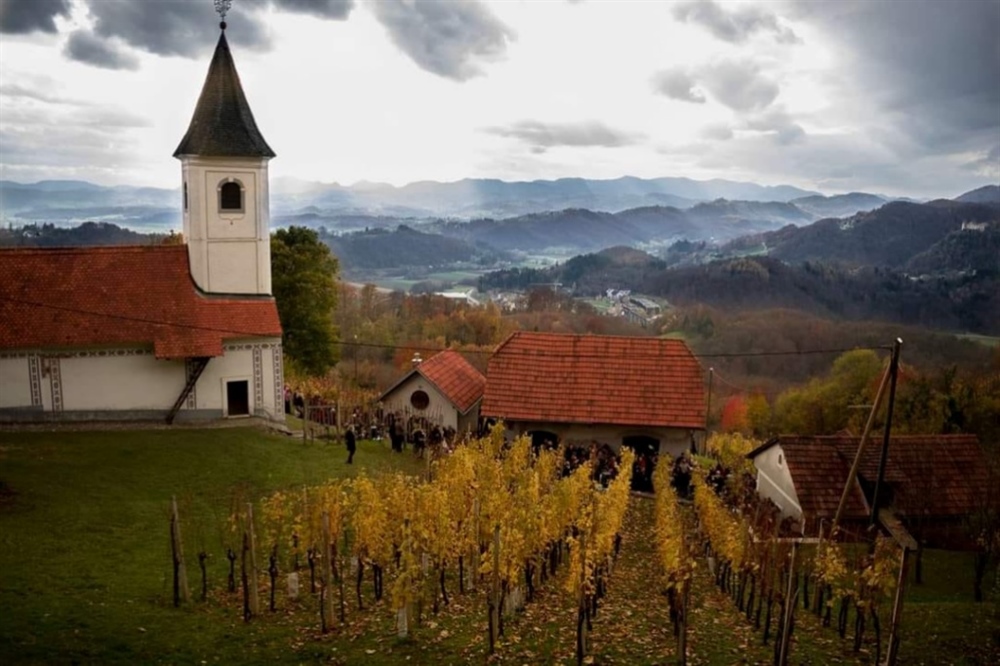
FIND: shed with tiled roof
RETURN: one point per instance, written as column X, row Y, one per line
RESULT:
column 643, row 392
column 931, row 481
column 444, row 390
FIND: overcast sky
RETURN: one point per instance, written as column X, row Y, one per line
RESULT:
column 894, row 96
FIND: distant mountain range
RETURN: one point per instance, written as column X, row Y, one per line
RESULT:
column 68, row 201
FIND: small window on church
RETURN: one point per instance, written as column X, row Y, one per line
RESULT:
column 231, row 197
column 185, row 196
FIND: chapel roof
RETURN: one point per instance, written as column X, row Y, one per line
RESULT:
column 453, row 376
column 615, row 380
column 125, row 295
column 223, row 124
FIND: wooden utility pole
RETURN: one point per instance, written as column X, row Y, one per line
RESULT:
column 857, row 458
column 894, row 374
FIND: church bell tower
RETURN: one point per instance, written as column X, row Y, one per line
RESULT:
column 224, row 162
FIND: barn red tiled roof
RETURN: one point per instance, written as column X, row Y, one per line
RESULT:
column 931, row 475
column 455, row 377
column 614, row 380
column 127, row 295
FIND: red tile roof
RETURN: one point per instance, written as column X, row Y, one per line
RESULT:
column 932, row 475
column 77, row 297
column 455, row 377
column 615, row 380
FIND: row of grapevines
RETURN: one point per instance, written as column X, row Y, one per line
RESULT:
column 497, row 513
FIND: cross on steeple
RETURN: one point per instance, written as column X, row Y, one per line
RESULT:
column 222, row 7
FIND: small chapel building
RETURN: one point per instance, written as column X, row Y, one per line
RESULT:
column 171, row 332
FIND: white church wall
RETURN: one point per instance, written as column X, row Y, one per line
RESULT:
column 119, row 382
column 15, row 385
column 251, row 361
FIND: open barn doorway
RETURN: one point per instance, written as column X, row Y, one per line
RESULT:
column 647, row 451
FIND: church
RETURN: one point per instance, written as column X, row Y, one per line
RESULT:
column 175, row 333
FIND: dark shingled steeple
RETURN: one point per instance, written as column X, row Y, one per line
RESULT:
column 223, row 125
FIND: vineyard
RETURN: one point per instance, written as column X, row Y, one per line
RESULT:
column 495, row 550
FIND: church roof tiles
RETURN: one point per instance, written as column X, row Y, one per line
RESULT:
column 106, row 296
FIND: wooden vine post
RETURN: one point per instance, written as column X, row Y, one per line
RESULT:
column 326, row 578
column 253, row 592
column 181, row 591
column 682, row 635
column 786, row 626
column 581, row 609
column 493, row 604
column 892, row 652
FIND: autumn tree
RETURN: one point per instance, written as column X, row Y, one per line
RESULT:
column 304, row 283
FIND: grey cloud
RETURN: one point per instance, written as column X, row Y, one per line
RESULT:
column 173, row 28
column 933, row 64
column 450, row 39
column 326, row 9
column 20, row 17
column 717, row 132
column 542, row 136
column 678, row 84
column 739, row 85
column 734, row 26
column 986, row 165
column 187, row 29
column 86, row 47
column 779, row 124
column 16, row 90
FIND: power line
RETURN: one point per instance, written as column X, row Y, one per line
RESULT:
column 123, row 317
column 421, row 348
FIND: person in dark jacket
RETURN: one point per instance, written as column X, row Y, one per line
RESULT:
column 352, row 444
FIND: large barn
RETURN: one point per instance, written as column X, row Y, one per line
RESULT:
column 642, row 392
column 160, row 332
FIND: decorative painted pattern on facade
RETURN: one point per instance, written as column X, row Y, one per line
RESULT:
column 35, row 378
column 55, row 382
column 192, row 399
column 279, row 380
column 258, row 380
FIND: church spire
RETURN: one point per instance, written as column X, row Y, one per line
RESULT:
column 223, row 124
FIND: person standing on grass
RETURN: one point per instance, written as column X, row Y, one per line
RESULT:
column 352, row 444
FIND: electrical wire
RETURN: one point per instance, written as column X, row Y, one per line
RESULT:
column 420, row 348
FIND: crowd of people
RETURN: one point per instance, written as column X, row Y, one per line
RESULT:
column 604, row 460
column 424, row 437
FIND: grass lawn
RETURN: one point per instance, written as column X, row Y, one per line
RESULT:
column 85, row 572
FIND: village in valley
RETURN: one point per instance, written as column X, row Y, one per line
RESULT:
column 216, row 447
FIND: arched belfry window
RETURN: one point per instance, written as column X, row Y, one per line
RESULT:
column 231, row 197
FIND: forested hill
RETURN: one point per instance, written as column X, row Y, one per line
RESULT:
column 402, row 247
column 86, row 234
column 967, row 302
column 888, row 236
